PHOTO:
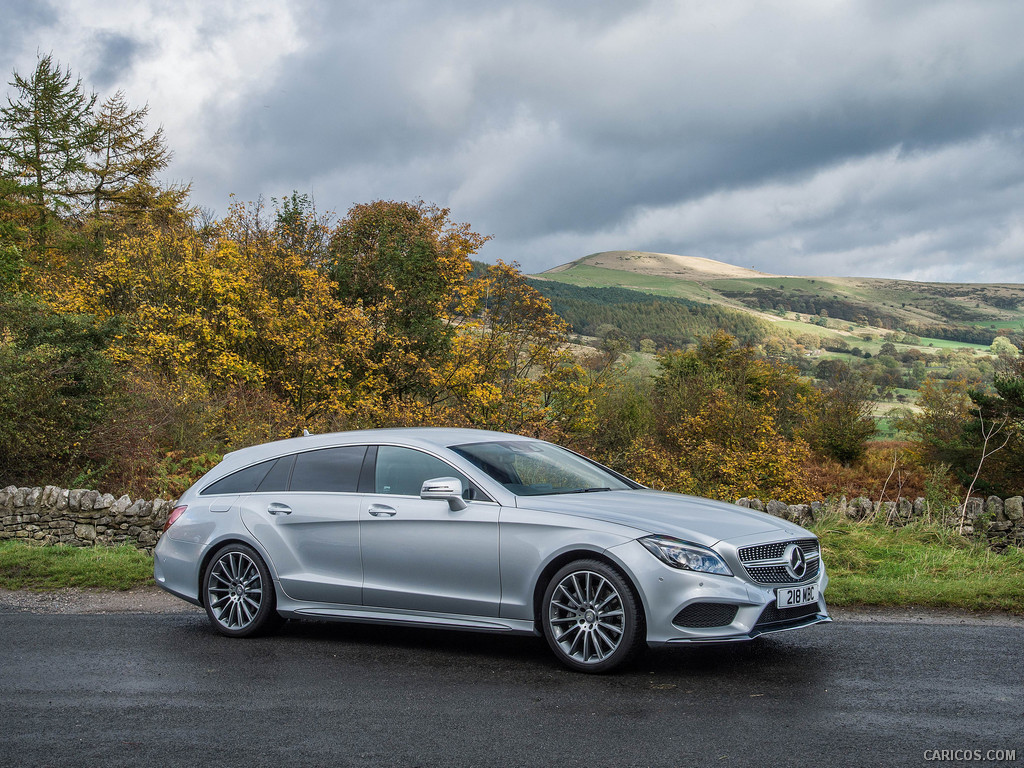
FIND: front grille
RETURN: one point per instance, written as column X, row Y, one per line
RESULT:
column 706, row 615
column 772, row 614
column 758, row 561
column 772, row 574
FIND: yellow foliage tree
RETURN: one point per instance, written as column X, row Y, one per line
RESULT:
column 232, row 312
column 735, row 422
column 510, row 367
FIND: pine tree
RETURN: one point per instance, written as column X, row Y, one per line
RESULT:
column 46, row 128
column 123, row 161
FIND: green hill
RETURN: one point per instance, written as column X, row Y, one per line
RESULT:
column 962, row 313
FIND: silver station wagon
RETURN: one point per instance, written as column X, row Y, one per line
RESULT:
column 475, row 530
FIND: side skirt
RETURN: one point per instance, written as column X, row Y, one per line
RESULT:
column 364, row 615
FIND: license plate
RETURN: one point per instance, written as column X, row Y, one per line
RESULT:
column 791, row 597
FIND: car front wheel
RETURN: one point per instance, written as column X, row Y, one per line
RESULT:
column 239, row 593
column 591, row 617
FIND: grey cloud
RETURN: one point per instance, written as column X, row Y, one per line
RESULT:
column 115, row 54
column 24, row 19
column 672, row 125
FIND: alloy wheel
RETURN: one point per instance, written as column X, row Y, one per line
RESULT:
column 586, row 616
column 235, row 591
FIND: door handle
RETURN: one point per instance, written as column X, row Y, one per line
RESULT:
column 381, row 510
column 276, row 508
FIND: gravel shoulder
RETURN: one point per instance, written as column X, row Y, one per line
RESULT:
column 148, row 599
column 152, row 599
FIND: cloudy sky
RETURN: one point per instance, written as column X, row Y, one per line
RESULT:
column 817, row 137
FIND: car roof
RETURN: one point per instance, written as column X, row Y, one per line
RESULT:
column 421, row 437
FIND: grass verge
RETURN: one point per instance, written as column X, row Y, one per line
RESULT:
column 868, row 564
column 33, row 567
column 921, row 565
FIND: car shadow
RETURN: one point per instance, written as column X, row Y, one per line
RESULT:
column 790, row 656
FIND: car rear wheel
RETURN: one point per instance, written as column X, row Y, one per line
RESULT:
column 238, row 593
column 591, row 617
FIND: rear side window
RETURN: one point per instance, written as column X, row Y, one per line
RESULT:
column 331, row 470
column 277, row 477
column 243, row 481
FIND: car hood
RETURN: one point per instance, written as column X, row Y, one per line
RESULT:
column 702, row 521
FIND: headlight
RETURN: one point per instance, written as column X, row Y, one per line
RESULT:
column 688, row 557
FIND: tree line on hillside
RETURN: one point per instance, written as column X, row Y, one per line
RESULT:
column 140, row 339
column 634, row 316
column 774, row 299
column 965, row 334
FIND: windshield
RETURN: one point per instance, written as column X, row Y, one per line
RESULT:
column 529, row 468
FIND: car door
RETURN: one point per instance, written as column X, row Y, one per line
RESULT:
column 306, row 515
column 420, row 555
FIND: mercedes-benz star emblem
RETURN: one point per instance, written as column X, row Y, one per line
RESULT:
column 796, row 563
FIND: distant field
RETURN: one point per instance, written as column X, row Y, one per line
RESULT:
column 1016, row 324
column 946, row 344
column 815, row 330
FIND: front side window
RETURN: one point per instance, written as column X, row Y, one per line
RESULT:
column 402, row 471
column 533, row 468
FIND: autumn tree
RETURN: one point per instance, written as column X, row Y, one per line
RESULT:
column 1004, row 474
column 46, row 134
column 405, row 264
column 737, row 423
column 944, row 410
column 303, row 229
column 843, row 420
column 509, row 367
column 1003, row 347
column 233, row 313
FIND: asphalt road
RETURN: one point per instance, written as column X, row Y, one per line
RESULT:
column 164, row 690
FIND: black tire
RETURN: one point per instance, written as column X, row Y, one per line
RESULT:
column 238, row 593
column 591, row 617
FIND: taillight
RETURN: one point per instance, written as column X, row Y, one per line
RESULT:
column 175, row 514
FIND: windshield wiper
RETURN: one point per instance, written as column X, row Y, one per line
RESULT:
column 586, row 490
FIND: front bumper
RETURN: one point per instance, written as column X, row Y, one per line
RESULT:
column 666, row 592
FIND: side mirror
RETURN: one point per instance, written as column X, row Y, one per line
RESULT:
column 446, row 488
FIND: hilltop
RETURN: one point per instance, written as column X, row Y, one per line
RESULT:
column 663, row 265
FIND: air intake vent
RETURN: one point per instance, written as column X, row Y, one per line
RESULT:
column 773, row 615
column 706, row 615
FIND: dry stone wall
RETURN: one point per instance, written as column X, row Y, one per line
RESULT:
column 1000, row 521
column 80, row 518
column 83, row 518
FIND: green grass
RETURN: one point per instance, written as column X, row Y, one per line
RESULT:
column 946, row 344
column 885, row 430
column 920, row 565
column 599, row 277
column 34, row 567
column 868, row 564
